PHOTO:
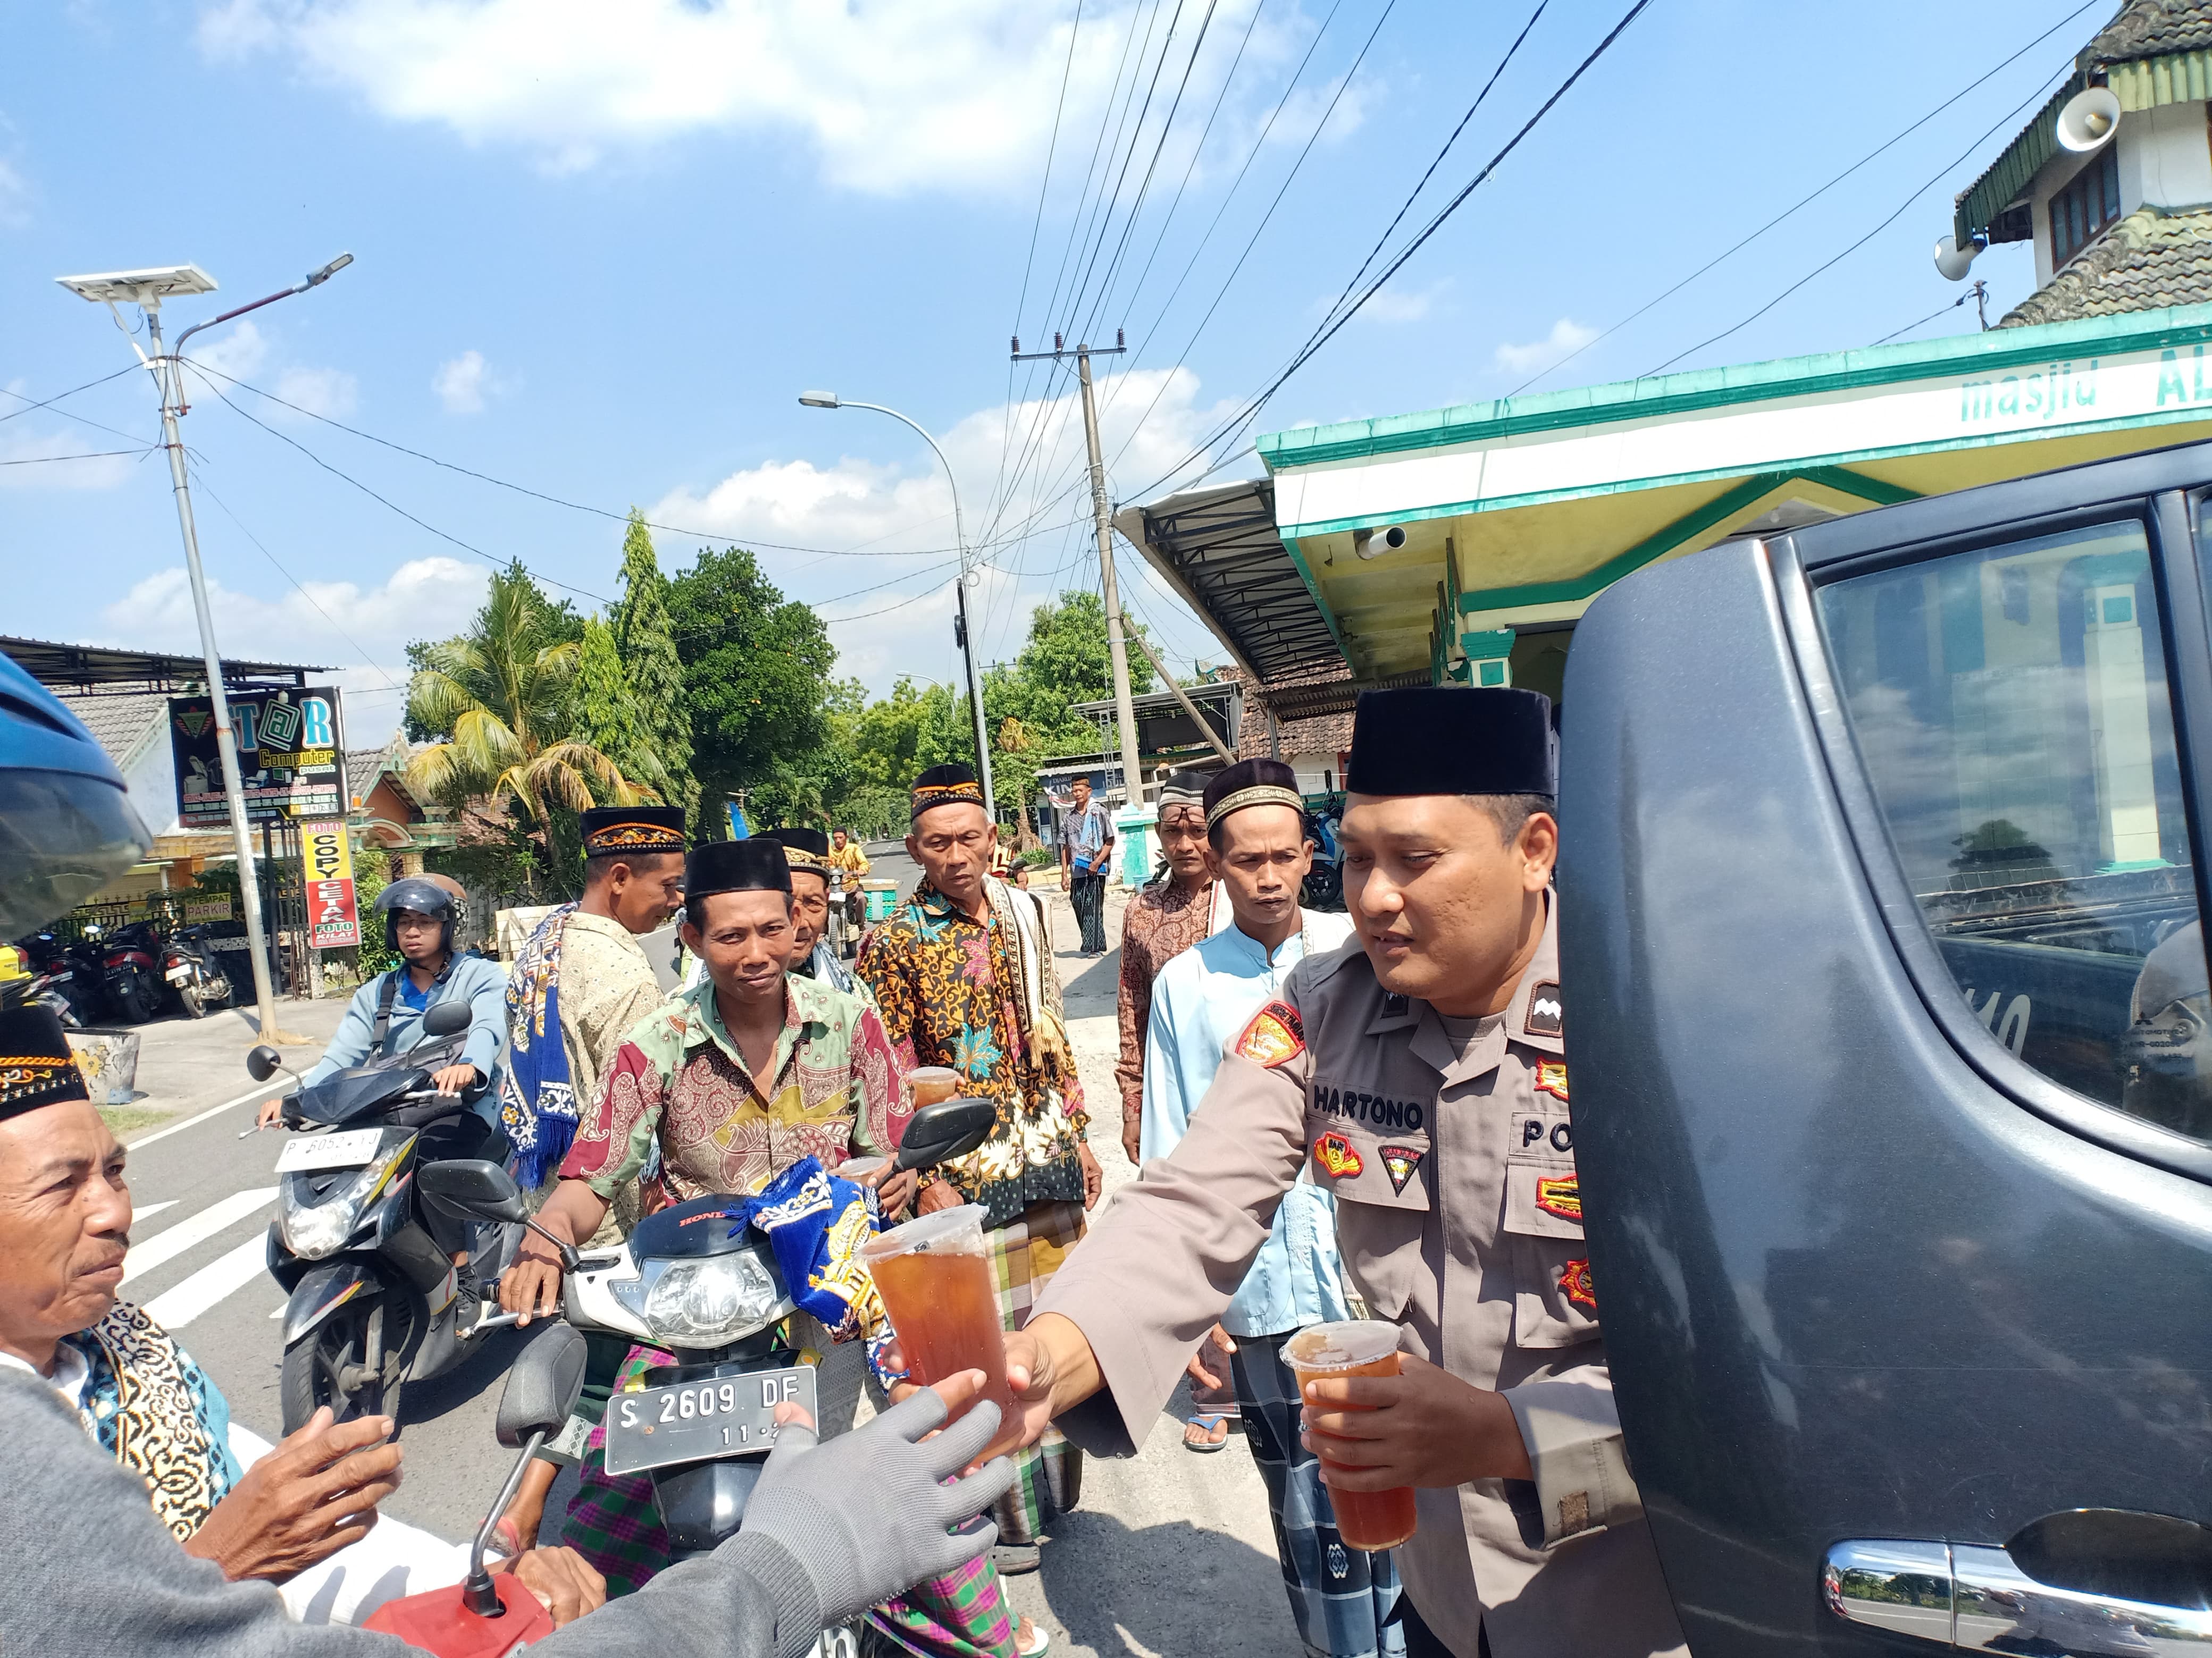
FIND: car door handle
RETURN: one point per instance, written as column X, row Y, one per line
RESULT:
column 1972, row 1598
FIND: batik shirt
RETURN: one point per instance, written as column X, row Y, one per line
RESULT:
column 947, row 989
column 834, row 1090
column 1161, row 921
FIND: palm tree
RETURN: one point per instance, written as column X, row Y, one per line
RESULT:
column 501, row 694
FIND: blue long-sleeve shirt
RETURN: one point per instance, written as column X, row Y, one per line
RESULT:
column 481, row 983
column 1200, row 1004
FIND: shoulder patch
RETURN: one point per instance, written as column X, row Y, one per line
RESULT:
column 1275, row 1035
column 1575, row 1285
column 1552, row 1078
column 1547, row 1013
column 1399, row 1161
column 1336, row 1157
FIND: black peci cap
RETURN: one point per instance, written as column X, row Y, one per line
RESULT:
column 756, row 864
column 1449, row 739
column 36, row 1066
column 947, row 785
column 1252, row 783
column 805, row 849
column 641, row 829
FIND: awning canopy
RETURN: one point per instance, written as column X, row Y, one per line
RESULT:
column 1518, row 513
column 87, row 666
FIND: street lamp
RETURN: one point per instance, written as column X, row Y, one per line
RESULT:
column 147, row 289
column 831, row 400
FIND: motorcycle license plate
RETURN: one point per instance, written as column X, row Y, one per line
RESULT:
column 697, row 1421
column 350, row 1150
column 177, row 975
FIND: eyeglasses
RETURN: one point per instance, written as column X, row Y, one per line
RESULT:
column 1185, row 825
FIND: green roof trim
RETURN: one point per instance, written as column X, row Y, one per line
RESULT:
column 1313, row 591
column 1691, row 524
column 1668, row 395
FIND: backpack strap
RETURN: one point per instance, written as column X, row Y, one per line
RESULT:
column 385, row 998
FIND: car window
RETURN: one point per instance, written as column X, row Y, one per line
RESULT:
column 2011, row 706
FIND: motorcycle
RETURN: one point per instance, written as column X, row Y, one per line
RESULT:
column 714, row 1296
column 127, row 970
column 834, row 927
column 193, row 975
column 64, row 971
column 488, row 1615
column 1324, row 881
column 375, row 1297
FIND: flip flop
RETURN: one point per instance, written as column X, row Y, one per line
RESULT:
column 1208, row 1420
column 1044, row 1643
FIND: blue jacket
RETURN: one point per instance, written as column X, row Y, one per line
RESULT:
column 483, row 984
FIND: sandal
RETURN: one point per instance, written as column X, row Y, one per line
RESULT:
column 1207, row 1421
column 1044, row 1643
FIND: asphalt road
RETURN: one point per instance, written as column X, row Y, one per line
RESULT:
column 1172, row 1553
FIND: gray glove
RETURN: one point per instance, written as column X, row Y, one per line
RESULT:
column 855, row 1521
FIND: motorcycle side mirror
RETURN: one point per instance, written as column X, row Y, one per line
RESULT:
column 543, row 1385
column 472, row 1189
column 949, row 1129
column 263, row 1063
column 447, row 1019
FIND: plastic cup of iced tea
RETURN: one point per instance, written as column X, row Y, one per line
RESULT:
column 1365, row 1519
column 931, row 1082
column 934, row 1276
column 867, row 1173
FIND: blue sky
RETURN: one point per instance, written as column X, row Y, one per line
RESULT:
column 601, row 247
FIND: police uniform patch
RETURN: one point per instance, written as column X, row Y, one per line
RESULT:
column 1552, row 1078
column 1548, row 1014
column 1575, row 1285
column 1562, row 1197
column 1400, row 1162
column 1275, row 1035
column 1334, row 1154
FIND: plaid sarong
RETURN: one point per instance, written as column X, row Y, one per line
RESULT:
column 612, row 1523
column 1339, row 1597
column 1025, row 1255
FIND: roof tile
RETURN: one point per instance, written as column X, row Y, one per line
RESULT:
column 2150, row 259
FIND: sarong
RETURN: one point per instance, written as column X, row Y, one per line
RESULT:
column 1025, row 1255
column 613, row 1524
column 1339, row 1597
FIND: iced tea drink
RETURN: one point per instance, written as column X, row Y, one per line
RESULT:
column 1365, row 1519
column 934, row 1275
column 932, row 1083
column 867, row 1174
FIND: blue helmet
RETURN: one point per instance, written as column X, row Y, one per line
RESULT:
column 67, row 828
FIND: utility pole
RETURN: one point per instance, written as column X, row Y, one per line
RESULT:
column 147, row 289
column 1125, row 712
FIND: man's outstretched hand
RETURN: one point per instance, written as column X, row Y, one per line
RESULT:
column 313, row 1494
column 1049, row 1369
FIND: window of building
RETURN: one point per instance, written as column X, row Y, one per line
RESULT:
column 2011, row 706
column 2088, row 202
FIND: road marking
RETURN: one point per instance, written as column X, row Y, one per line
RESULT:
column 179, row 1127
column 171, row 1242
column 140, row 1210
column 172, row 1309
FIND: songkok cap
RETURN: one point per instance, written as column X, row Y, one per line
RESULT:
column 947, row 785
column 1449, row 739
column 805, row 848
column 1184, row 788
column 36, row 1066
column 641, row 829
column 756, row 864
column 1252, row 783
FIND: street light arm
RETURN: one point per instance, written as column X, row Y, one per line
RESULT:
column 312, row 279
column 959, row 537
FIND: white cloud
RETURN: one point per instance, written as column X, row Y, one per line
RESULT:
column 245, row 351
column 891, row 94
column 423, row 597
column 327, row 392
column 888, row 510
column 239, row 353
column 14, row 195
column 1567, row 337
column 462, row 384
column 33, row 460
column 1399, row 305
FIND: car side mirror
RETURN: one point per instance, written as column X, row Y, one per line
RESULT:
column 447, row 1019
column 472, row 1189
column 949, row 1129
column 263, row 1063
column 543, row 1387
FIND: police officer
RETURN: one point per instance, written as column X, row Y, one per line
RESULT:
column 1418, row 1072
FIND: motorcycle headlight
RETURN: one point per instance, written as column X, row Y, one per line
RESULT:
column 312, row 1226
column 709, row 1302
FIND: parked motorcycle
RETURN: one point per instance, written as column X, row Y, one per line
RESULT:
column 193, row 972
column 65, row 971
column 129, row 970
column 488, row 1614
column 376, row 1299
column 715, row 1298
column 836, row 929
column 1324, row 881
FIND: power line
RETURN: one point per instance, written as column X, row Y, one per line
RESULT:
column 30, row 407
column 1804, row 201
column 1929, row 318
column 96, row 454
column 1892, row 218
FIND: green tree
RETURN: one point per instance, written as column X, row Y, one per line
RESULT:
column 756, row 679
column 608, row 716
column 494, row 706
column 1029, row 707
column 647, row 655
